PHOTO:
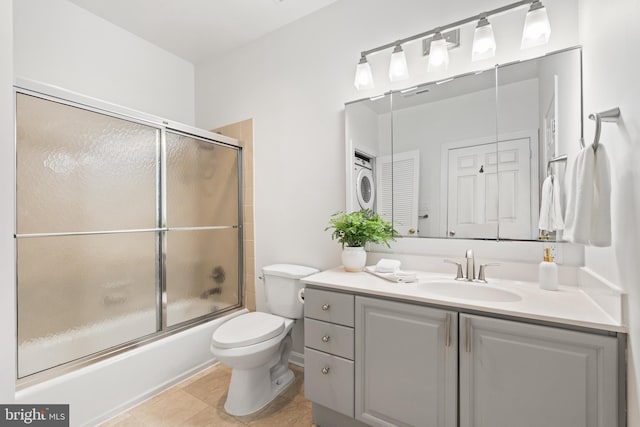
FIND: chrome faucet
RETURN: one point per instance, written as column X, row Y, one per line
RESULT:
column 470, row 274
column 471, row 268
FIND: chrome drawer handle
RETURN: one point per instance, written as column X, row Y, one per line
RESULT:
column 325, row 338
column 325, row 370
column 325, row 307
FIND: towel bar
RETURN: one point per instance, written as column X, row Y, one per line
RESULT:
column 562, row 158
column 611, row 115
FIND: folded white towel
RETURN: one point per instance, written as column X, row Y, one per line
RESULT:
column 550, row 209
column 397, row 276
column 387, row 266
column 588, row 218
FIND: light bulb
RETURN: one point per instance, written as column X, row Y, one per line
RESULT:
column 398, row 69
column 537, row 29
column 364, row 78
column 438, row 54
column 484, row 43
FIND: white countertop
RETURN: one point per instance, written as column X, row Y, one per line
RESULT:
column 569, row 305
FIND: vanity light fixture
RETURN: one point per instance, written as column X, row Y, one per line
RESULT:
column 536, row 32
column 438, row 54
column 364, row 78
column 484, row 43
column 537, row 29
column 398, row 69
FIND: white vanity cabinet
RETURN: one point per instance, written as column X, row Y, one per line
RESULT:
column 406, row 364
column 328, row 350
column 373, row 361
column 518, row 374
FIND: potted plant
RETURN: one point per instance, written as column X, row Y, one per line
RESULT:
column 354, row 230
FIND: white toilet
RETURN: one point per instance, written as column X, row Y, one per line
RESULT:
column 257, row 345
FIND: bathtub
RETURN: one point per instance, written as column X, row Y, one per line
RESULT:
column 108, row 387
column 43, row 353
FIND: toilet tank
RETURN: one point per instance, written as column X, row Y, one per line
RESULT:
column 281, row 285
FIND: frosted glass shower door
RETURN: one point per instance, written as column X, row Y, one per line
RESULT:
column 87, row 232
column 203, row 237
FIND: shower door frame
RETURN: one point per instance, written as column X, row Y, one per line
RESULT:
column 72, row 99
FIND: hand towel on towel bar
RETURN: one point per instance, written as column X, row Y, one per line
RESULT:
column 550, row 210
column 601, row 214
column 588, row 218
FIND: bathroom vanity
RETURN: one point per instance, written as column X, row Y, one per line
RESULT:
column 431, row 353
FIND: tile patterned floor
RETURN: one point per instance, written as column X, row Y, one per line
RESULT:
column 199, row 401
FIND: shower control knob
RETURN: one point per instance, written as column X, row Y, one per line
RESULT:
column 325, row 370
column 325, row 338
column 325, row 307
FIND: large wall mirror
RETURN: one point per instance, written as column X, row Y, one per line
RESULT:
column 466, row 157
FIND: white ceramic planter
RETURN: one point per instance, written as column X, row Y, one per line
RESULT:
column 354, row 259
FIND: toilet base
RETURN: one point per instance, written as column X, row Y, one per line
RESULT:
column 252, row 389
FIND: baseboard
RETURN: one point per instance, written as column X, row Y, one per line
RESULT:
column 151, row 393
column 297, row 358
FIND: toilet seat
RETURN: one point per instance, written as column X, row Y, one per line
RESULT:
column 248, row 329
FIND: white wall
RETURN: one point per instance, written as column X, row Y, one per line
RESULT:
column 59, row 43
column 611, row 39
column 294, row 82
column 361, row 124
column 55, row 42
column 7, row 263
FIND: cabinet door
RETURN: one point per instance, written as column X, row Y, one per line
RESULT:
column 406, row 364
column 514, row 374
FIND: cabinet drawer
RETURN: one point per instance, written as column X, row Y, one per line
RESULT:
column 329, row 306
column 328, row 381
column 328, row 337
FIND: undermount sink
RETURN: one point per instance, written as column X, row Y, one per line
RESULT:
column 470, row 291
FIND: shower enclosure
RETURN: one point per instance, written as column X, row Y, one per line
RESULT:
column 127, row 230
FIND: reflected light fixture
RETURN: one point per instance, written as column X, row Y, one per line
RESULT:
column 398, row 69
column 439, row 54
column 537, row 29
column 484, row 43
column 364, row 78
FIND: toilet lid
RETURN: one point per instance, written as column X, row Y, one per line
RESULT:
column 248, row 329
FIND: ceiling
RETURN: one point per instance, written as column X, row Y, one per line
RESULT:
column 198, row 30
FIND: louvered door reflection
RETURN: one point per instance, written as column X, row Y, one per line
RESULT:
column 399, row 202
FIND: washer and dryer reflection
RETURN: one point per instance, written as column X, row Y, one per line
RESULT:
column 365, row 187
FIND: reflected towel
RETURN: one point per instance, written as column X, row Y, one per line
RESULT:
column 588, row 218
column 550, row 210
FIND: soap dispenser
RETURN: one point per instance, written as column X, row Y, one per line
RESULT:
column 548, row 272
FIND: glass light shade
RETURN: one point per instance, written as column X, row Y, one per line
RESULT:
column 484, row 43
column 364, row 78
column 438, row 55
column 537, row 29
column 398, row 69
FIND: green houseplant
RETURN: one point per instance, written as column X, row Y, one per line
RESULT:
column 354, row 230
